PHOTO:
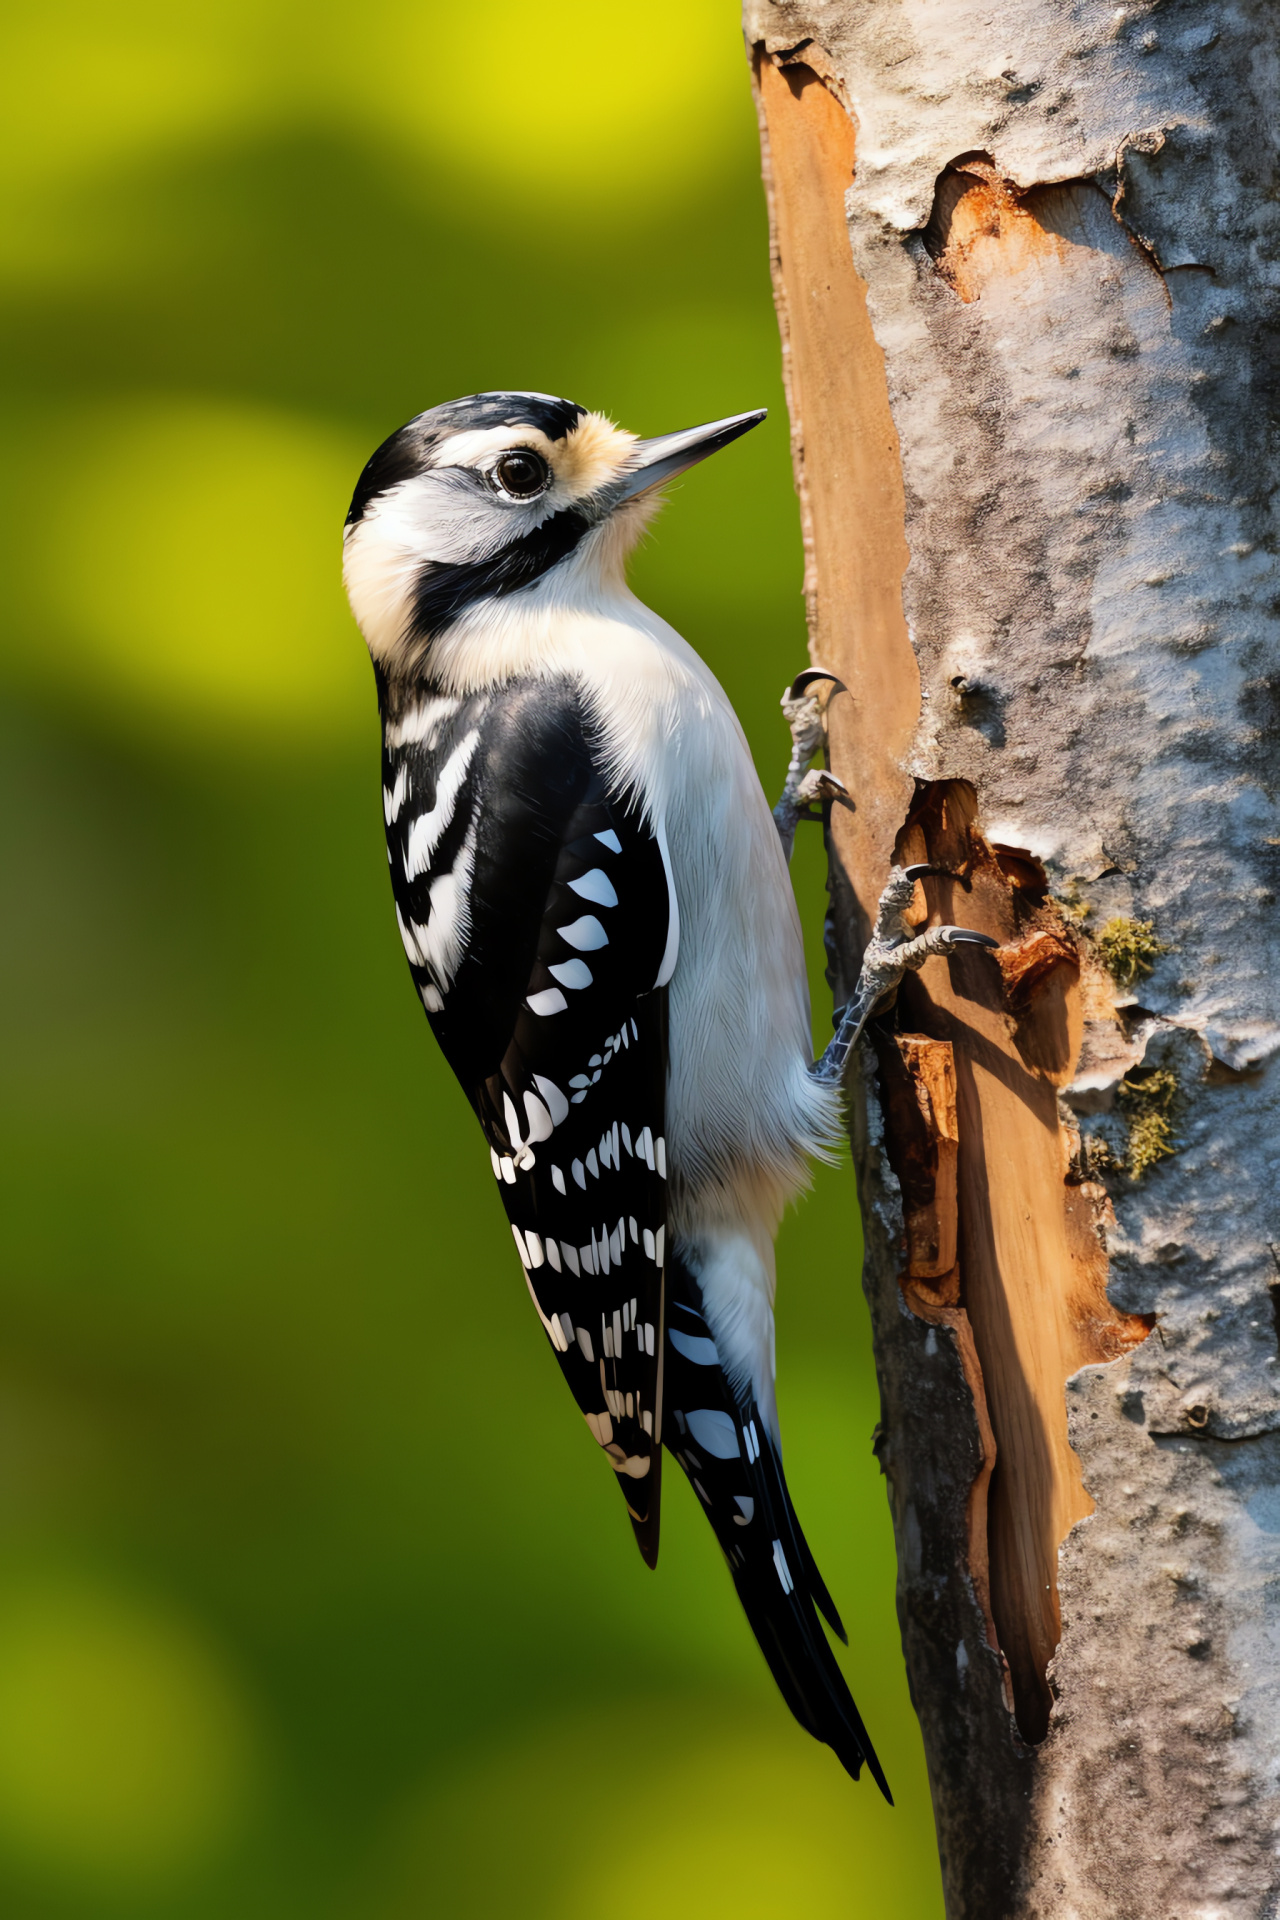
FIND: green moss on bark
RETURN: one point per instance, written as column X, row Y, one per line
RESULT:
column 1129, row 949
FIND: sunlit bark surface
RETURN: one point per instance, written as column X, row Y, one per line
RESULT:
column 1026, row 268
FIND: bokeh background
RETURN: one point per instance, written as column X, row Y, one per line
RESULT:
column 315, row 1597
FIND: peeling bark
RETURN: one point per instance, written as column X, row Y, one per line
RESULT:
column 1026, row 268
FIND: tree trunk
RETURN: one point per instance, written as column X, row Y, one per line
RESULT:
column 1032, row 394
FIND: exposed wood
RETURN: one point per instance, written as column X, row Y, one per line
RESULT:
column 1023, row 281
column 930, row 1150
column 842, row 433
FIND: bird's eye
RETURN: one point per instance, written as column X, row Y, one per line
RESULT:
column 521, row 473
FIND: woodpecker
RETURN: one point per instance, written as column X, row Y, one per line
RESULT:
column 595, row 904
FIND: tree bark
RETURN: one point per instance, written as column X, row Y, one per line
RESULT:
column 1031, row 373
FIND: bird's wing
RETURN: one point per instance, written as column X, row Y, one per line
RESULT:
column 537, row 916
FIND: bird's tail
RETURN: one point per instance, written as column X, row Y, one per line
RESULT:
column 723, row 1445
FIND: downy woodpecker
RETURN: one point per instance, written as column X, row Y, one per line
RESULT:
column 597, row 913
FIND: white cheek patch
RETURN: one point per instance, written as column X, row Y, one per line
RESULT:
column 430, row 519
column 438, row 516
column 442, row 519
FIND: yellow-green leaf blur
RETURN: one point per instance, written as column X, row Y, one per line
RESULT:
column 315, row 1598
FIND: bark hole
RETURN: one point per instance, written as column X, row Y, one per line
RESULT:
column 1031, row 1267
column 983, row 228
column 980, row 223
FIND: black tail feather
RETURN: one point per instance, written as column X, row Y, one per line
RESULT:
column 646, row 1526
column 817, row 1585
column 790, row 1624
column 722, row 1444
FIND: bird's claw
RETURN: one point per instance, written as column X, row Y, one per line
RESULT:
column 809, row 677
column 803, row 716
column 805, row 786
column 820, row 784
column 894, row 949
column 964, row 937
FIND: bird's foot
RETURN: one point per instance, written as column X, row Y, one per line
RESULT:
column 806, row 786
column 892, row 951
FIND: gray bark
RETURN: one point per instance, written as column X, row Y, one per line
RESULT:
column 1064, row 681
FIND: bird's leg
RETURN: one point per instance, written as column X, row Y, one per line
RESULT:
column 805, row 783
column 892, row 951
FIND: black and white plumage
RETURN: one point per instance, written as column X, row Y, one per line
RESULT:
column 544, row 1004
column 598, row 917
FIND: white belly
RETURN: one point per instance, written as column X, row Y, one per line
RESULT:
column 741, row 1106
column 743, row 1114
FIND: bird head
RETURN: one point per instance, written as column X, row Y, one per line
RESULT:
column 498, row 495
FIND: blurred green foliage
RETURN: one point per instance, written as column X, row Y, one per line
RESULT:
column 315, row 1598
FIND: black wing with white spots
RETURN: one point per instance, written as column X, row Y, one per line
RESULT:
column 534, row 908
column 721, row 1441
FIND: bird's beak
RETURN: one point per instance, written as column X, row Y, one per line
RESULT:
column 653, row 461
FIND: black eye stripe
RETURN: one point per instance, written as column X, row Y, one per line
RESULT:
column 445, row 589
